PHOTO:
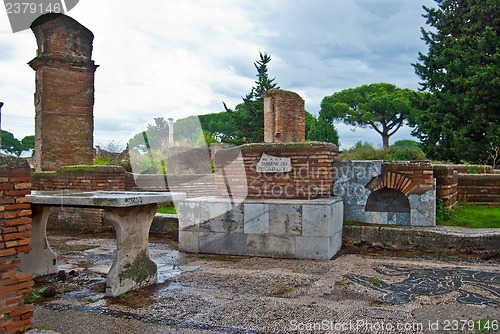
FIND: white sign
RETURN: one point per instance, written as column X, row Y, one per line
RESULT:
column 270, row 164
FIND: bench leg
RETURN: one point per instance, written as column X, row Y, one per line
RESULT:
column 132, row 267
column 40, row 260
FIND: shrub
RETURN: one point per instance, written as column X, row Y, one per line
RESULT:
column 362, row 151
column 399, row 153
column 365, row 151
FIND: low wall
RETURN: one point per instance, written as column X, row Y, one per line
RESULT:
column 311, row 174
column 271, row 228
column 91, row 177
column 465, row 169
column 15, row 234
column 479, row 188
column 424, row 239
column 193, row 185
column 109, row 178
column 98, row 177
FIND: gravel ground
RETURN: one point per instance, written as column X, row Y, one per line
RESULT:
column 369, row 292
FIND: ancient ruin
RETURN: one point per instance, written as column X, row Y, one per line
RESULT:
column 284, row 117
column 64, row 96
column 288, row 209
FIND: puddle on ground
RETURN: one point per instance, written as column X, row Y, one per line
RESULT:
column 91, row 259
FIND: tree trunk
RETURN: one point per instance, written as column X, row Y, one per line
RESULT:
column 385, row 141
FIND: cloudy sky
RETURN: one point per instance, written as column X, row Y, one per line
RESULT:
column 175, row 58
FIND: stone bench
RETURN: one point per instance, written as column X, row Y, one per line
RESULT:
column 131, row 213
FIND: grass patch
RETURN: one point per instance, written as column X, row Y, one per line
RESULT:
column 166, row 209
column 376, row 282
column 34, row 296
column 473, row 216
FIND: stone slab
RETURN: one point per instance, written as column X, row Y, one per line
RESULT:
column 103, row 198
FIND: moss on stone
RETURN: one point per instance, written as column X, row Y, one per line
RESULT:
column 79, row 168
column 139, row 271
column 44, row 174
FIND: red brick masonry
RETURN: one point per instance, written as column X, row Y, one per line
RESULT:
column 15, row 233
column 311, row 175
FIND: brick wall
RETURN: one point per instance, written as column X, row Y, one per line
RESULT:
column 15, row 233
column 91, row 177
column 419, row 172
column 193, row 185
column 311, row 175
column 479, row 188
column 446, row 185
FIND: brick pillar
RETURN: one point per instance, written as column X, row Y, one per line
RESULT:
column 284, row 117
column 446, row 185
column 15, row 234
column 64, row 96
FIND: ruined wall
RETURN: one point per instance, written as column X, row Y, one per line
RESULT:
column 90, row 178
column 193, row 185
column 446, row 185
column 479, row 188
column 399, row 183
column 284, row 117
column 64, row 93
column 15, row 234
column 311, row 175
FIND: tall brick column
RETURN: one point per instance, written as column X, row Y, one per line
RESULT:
column 64, row 97
column 15, row 234
column 284, row 117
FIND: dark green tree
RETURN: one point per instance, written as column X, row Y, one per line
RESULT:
column 460, row 74
column 12, row 145
column 155, row 136
column 382, row 106
column 221, row 126
column 28, row 144
column 322, row 130
column 248, row 116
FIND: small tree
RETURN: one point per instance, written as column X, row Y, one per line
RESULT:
column 248, row 116
column 382, row 106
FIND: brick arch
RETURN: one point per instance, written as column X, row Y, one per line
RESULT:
column 391, row 180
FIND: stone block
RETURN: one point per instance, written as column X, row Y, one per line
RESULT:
column 355, row 213
column 223, row 243
column 271, row 245
column 188, row 241
column 317, row 221
column 190, row 214
column 376, row 217
column 285, row 219
column 256, row 218
column 398, row 218
column 337, row 216
column 230, row 221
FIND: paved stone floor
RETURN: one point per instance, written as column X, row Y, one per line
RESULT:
column 367, row 292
